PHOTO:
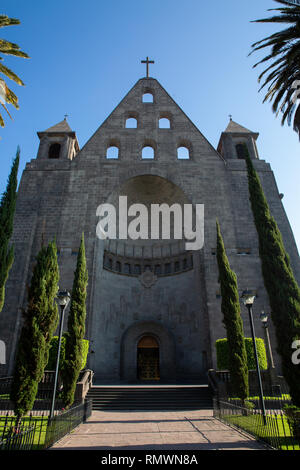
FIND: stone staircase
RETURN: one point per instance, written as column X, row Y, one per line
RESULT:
column 135, row 398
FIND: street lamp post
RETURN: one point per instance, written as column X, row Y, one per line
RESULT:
column 248, row 297
column 63, row 299
column 271, row 367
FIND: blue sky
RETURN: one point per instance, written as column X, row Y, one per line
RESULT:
column 85, row 56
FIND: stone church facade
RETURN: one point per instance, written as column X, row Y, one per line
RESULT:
column 153, row 308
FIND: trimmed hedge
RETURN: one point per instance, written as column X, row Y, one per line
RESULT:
column 53, row 353
column 222, row 354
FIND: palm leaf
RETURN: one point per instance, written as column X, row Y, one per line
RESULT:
column 6, row 21
column 283, row 61
column 1, row 118
column 6, row 109
column 10, row 48
column 10, row 74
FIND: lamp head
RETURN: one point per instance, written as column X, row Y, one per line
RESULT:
column 264, row 318
column 248, row 297
column 63, row 298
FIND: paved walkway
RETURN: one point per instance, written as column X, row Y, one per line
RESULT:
column 170, row 430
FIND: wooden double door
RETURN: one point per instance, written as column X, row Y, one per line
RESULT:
column 148, row 359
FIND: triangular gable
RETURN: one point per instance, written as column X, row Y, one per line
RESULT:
column 132, row 103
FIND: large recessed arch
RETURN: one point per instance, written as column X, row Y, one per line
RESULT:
column 148, row 190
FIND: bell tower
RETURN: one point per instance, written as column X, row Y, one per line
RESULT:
column 236, row 140
column 58, row 142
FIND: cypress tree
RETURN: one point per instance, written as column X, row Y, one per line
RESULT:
column 76, row 328
column 40, row 321
column 48, row 319
column 279, row 280
column 233, row 322
column 7, row 211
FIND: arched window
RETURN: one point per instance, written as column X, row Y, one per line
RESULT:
column 164, row 123
column 127, row 268
column 131, row 123
column 183, row 153
column 148, row 153
column 241, row 151
column 54, row 151
column 108, row 262
column 147, row 97
column 137, row 269
column 112, row 152
column 118, row 266
column 157, row 269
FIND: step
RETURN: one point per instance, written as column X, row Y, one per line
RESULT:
column 150, row 397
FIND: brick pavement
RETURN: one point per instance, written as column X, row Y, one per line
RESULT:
column 184, row 430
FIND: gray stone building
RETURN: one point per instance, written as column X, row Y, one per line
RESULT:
column 153, row 307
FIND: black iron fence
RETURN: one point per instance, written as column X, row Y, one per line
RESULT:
column 28, row 434
column 18, row 440
column 63, row 423
column 38, row 431
column 278, row 430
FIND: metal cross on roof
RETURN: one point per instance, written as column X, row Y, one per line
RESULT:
column 147, row 62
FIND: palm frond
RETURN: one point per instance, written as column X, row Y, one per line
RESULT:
column 10, row 74
column 11, row 98
column 6, row 21
column 3, row 105
column 283, row 61
column 9, row 48
column 1, row 118
column 1, row 121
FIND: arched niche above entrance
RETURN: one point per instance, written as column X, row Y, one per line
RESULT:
column 140, row 204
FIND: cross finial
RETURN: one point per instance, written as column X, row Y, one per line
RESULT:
column 147, row 62
column 230, row 117
column 66, row 115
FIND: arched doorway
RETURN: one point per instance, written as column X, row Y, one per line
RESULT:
column 130, row 342
column 148, row 359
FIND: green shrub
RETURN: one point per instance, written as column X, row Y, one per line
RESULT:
column 222, row 354
column 53, row 353
column 85, row 350
column 293, row 417
column 249, row 405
